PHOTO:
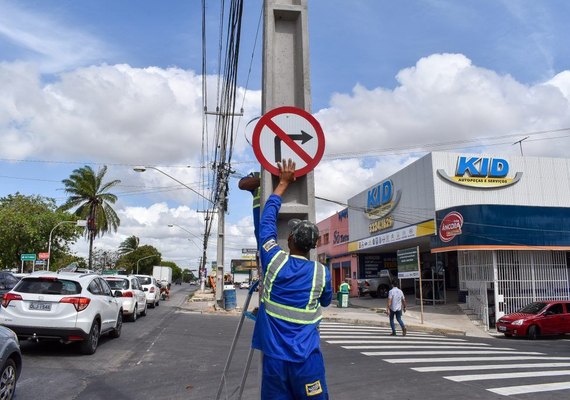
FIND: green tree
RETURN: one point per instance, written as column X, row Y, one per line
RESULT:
column 89, row 197
column 129, row 245
column 129, row 261
column 25, row 226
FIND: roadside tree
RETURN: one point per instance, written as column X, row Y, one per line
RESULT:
column 91, row 200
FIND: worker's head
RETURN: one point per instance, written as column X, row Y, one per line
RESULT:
column 303, row 235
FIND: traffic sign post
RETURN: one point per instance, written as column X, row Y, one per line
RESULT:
column 28, row 257
column 288, row 132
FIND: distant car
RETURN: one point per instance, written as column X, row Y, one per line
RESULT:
column 10, row 362
column 131, row 293
column 65, row 306
column 244, row 285
column 7, row 282
column 549, row 317
column 151, row 289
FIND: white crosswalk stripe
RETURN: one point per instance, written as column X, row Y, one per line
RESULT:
column 452, row 355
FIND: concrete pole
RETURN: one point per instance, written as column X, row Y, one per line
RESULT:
column 286, row 82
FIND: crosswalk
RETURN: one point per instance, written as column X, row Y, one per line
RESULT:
column 501, row 370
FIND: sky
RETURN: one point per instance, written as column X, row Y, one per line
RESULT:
column 101, row 82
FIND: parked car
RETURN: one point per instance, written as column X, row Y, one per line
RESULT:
column 66, row 306
column 549, row 317
column 244, row 285
column 380, row 286
column 151, row 289
column 129, row 290
column 7, row 282
column 10, row 362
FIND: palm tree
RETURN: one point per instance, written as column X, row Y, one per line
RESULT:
column 91, row 200
column 129, row 245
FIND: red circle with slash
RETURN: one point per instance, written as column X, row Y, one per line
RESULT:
column 275, row 138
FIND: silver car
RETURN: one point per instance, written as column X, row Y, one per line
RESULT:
column 151, row 289
column 11, row 362
column 131, row 294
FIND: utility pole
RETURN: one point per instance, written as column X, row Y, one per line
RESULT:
column 520, row 143
column 286, row 82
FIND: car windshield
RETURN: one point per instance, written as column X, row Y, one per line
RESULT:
column 118, row 284
column 48, row 286
column 532, row 308
column 144, row 280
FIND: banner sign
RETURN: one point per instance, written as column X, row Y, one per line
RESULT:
column 408, row 263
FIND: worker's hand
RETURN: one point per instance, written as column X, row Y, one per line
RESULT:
column 286, row 171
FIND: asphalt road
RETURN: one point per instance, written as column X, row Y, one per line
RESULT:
column 175, row 354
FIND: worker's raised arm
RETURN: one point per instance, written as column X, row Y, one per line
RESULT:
column 286, row 176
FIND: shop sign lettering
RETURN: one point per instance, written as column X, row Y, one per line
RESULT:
column 382, row 200
column 481, row 172
column 450, row 226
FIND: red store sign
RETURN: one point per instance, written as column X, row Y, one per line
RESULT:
column 450, row 226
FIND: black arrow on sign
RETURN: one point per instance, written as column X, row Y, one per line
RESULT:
column 304, row 137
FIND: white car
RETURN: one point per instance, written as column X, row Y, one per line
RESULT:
column 151, row 289
column 131, row 294
column 244, row 285
column 66, row 306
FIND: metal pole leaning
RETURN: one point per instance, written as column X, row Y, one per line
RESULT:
column 234, row 341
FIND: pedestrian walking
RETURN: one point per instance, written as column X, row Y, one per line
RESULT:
column 396, row 304
column 295, row 289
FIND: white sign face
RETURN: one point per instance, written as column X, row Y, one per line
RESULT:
column 390, row 237
column 288, row 132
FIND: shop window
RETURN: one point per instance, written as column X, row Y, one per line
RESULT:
column 325, row 238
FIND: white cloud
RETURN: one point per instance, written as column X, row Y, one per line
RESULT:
column 49, row 43
column 124, row 115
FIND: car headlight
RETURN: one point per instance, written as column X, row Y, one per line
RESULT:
column 518, row 322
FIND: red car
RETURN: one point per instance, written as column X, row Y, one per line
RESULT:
column 549, row 317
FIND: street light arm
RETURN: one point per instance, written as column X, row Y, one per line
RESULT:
column 142, row 169
column 144, row 258
column 79, row 222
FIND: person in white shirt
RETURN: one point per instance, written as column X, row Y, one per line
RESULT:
column 396, row 303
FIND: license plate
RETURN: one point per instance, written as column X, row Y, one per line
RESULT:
column 502, row 328
column 40, row 306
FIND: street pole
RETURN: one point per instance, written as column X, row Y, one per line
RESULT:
column 80, row 222
column 144, row 258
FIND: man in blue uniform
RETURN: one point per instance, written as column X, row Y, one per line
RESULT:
column 295, row 289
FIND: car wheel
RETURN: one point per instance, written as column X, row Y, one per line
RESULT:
column 152, row 305
column 115, row 333
column 157, row 303
column 143, row 313
column 133, row 316
column 383, row 291
column 8, row 380
column 89, row 346
column 533, row 332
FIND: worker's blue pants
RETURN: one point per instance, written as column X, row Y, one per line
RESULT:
column 286, row 380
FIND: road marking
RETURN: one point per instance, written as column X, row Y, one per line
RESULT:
column 387, row 337
column 486, row 367
column 506, row 375
column 422, row 347
column 433, row 353
column 469, row 359
column 406, row 342
column 522, row 389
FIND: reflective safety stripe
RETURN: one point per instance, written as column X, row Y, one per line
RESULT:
column 318, row 285
column 257, row 198
column 312, row 313
column 293, row 314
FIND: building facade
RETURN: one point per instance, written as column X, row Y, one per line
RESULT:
column 332, row 251
column 495, row 228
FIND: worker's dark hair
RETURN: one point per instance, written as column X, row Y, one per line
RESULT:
column 395, row 283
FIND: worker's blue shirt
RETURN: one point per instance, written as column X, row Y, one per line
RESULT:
column 275, row 337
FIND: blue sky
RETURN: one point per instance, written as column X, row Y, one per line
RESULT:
column 118, row 83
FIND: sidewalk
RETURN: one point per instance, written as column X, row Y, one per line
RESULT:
column 447, row 319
